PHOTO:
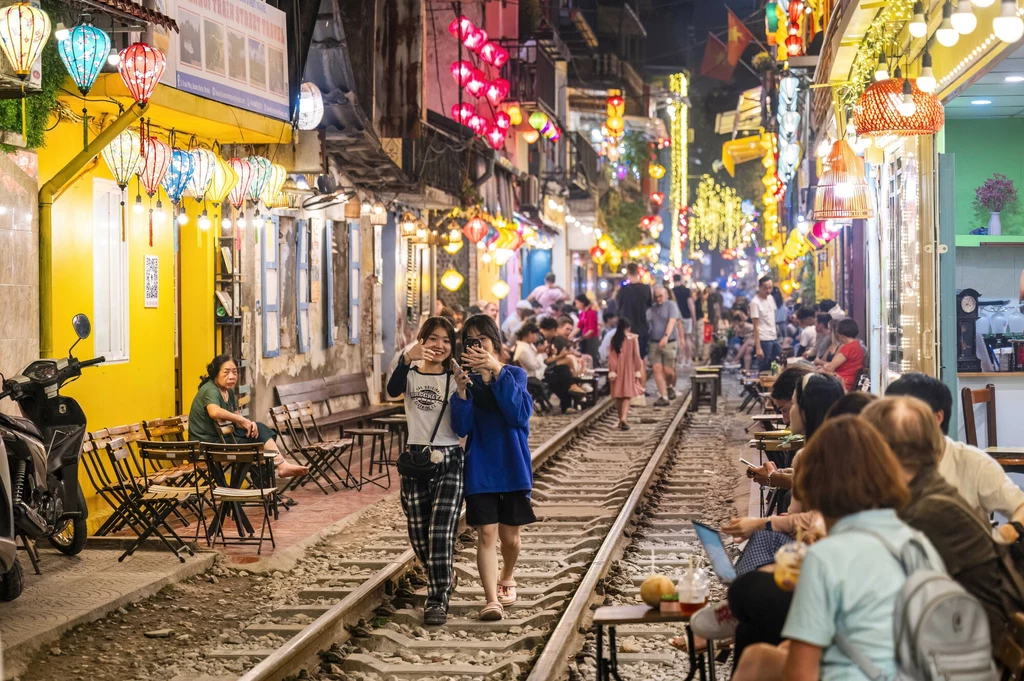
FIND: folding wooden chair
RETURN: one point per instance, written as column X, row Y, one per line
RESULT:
column 293, row 446
column 307, row 434
column 179, row 454
column 147, row 506
column 969, row 398
column 230, row 493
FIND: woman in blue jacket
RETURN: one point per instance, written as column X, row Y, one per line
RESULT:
column 494, row 412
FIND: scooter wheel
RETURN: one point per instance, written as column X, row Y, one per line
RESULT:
column 11, row 583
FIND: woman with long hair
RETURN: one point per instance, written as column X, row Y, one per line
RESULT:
column 587, row 328
column 215, row 402
column 492, row 409
column 432, row 505
column 625, row 369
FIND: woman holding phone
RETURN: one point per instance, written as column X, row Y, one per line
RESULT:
column 492, row 409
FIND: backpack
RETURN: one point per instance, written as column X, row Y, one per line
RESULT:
column 940, row 632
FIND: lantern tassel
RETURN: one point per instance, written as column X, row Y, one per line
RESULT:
column 124, row 216
column 24, row 119
column 85, row 128
column 151, row 227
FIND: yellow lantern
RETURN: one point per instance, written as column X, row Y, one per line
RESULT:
column 616, row 126
column 224, row 180
column 278, row 175
column 451, row 280
column 530, row 136
column 500, row 289
column 656, row 171
column 453, row 247
column 515, row 115
column 23, row 32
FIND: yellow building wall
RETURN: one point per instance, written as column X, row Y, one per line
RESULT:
column 823, row 285
column 142, row 387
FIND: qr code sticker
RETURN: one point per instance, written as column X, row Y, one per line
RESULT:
column 152, row 281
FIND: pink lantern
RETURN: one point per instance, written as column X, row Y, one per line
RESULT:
column 478, row 124
column 496, row 136
column 500, row 57
column 241, row 188
column 461, row 71
column 555, row 135
column 488, row 51
column 462, row 113
column 503, row 120
column 156, row 158
column 476, row 83
column 475, row 40
column 497, row 91
column 461, row 28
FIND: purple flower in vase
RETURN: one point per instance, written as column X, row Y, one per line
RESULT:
column 996, row 194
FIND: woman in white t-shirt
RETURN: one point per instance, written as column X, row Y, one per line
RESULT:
column 432, row 506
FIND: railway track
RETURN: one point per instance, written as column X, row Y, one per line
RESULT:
column 590, row 478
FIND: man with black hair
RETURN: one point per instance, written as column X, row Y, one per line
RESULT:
column 979, row 478
column 634, row 299
column 762, row 314
column 831, row 308
column 822, row 337
column 806, row 318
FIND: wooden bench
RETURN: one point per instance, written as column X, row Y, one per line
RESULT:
column 322, row 391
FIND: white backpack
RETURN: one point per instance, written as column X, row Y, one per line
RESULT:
column 940, row 631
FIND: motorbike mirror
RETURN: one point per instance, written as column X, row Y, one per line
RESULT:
column 82, row 326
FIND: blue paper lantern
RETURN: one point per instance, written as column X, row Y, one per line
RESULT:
column 179, row 172
column 84, row 52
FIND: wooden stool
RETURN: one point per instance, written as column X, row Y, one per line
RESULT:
column 612, row 616
column 713, row 370
column 697, row 384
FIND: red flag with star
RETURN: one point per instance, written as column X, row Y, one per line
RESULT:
column 739, row 37
column 716, row 60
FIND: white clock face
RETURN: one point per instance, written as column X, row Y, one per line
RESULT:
column 968, row 304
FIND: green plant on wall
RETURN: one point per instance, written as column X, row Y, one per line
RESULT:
column 622, row 219
column 38, row 106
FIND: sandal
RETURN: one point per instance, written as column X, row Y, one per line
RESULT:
column 507, row 592
column 492, row 612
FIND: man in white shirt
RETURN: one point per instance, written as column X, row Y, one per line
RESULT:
column 979, row 478
column 762, row 314
column 808, row 335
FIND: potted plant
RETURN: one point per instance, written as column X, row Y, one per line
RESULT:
column 996, row 195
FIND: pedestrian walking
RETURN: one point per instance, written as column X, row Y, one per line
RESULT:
column 625, row 369
column 431, row 468
column 492, row 409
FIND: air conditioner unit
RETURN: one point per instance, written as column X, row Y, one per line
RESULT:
column 531, row 192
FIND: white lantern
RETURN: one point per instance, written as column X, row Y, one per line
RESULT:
column 311, row 106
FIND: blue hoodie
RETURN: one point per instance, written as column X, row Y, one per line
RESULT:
column 497, row 451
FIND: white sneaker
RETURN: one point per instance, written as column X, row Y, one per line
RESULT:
column 714, row 621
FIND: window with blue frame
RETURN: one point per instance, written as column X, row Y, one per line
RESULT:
column 271, row 290
column 302, row 283
column 353, row 282
column 329, row 288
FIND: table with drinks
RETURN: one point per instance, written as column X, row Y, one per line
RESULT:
column 611, row 616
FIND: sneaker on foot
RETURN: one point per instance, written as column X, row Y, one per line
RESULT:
column 434, row 616
column 714, row 621
column 623, row 425
column 661, row 402
column 671, row 393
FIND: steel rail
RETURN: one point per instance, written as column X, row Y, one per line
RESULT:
column 302, row 649
column 552, row 662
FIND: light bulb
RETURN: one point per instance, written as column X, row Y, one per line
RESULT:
column 844, row 190
column 882, row 70
column 241, row 220
column 946, row 34
column 182, row 217
column 114, row 58
column 378, row 208
column 365, row 207
column 1008, row 27
column 824, row 146
column 204, row 221
column 62, row 33
column 138, row 208
column 907, row 107
column 963, row 18
column 159, row 217
column 226, row 223
column 926, row 80
column 918, row 26
column 982, row 3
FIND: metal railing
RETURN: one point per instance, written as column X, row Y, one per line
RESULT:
column 531, row 75
column 583, row 162
column 435, row 159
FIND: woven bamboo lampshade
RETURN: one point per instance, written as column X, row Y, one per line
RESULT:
column 842, row 192
column 877, row 112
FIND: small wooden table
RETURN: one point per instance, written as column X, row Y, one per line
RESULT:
column 765, row 420
column 1010, row 458
column 612, row 616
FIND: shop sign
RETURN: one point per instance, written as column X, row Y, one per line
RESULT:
column 230, row 51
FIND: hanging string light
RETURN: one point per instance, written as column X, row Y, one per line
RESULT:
column 84, row 52
column 156, row 158
column 23, row 32
column 311, row 106
column 140, row 67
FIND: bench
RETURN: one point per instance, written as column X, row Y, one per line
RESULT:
column 322, row 391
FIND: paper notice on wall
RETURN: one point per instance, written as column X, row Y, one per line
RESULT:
column 231, row 51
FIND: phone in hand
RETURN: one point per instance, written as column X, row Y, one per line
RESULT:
column 472, row 343
column 749, row 465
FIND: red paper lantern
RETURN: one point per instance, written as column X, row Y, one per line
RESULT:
column 648, row 220
column 497, row 91
column 475, row 39
column 476, row 83
column 244, row 170
column 503, row 120
column 475, row 230
column 140, row 67
column 487, row 51
column 478, row 124
column 597, row 253
column 517, row 242
column 463, row 112
column 794, row 44
column 496, row 136
column 658, row 198
column 500, row 57
column 461, row 28
column 461, row 71
column 156, row 158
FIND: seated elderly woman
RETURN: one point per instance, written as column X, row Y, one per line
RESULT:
column 848, row 581
column 972, row 556
column 215, row 402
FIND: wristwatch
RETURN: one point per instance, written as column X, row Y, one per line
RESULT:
column 1020, row 530
column 768, row 525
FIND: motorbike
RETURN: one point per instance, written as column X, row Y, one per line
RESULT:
column 40, row 497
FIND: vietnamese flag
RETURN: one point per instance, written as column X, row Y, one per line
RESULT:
column 716, row 62
column 739, row 37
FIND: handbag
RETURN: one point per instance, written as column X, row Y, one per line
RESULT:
column 414, row 461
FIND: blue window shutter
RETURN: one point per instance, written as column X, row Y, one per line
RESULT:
column 302, row 283
column 354, row 281
column 329, row 288
column 271, row 285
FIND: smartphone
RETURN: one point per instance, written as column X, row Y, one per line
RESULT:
column 749, row 465
column 471, row 343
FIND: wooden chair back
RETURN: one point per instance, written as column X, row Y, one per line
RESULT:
column 986, row 396
column 232, row 453
column 226, row 432
column 121, row 455
column 169, row 430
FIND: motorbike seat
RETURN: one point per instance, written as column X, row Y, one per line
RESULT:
column 23, row 424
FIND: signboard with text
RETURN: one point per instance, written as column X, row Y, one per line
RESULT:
column 231, row 51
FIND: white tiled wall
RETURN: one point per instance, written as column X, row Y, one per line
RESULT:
column 992, row 272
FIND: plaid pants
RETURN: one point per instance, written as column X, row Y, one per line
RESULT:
column 432, row 511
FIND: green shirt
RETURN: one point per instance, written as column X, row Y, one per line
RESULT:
column 201, row 428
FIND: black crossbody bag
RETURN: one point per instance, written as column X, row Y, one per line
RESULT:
column 414, row 462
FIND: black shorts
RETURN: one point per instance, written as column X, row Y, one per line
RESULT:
column 507, row 508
